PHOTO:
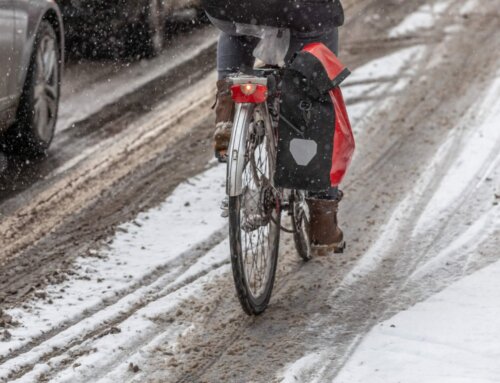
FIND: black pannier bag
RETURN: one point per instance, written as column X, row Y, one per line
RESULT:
column 300, row 15
column 315, row 140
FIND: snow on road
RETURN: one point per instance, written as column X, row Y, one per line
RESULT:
column 450, row 338
column 304, row 366
column 119, row 308
column 453, row 336
column 424, row 17
column 473, row 170
column 379, row 80
column 152, row 258
column 477, row 152
column 478, row 146
column 446, row 338
column 143, row 263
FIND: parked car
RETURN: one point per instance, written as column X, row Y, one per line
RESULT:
column 31, row 56
column 122, row 26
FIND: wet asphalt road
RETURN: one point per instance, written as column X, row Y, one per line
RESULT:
column 114, row 160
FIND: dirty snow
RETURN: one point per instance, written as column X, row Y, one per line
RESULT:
column 153, row 241
column 374, row 82
column 140, row 248
column 388, row 232
column 451, row 337
column 465, row 244
column 146, row 271
column 303, row 369
column 478, row 150
column 424, row 17
column 469, row 7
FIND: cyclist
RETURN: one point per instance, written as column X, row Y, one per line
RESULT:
column 308, row 21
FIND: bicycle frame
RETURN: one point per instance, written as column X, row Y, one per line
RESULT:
column 237, row 156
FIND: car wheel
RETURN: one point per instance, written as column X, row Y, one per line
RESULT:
column 36, row 117
column 152, row 29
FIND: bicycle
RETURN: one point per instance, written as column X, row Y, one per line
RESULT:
column 255, row 204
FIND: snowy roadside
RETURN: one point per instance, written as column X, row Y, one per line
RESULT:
column 451, row 337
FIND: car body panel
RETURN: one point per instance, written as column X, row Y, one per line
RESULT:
column 118, row 12
column 6, row 49
column 28, row 16
column 7, row 98
column 22, row 18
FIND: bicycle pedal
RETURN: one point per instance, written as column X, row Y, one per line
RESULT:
column 224, row 206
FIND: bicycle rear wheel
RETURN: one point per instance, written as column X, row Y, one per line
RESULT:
column 301, row 224
column 254, row 224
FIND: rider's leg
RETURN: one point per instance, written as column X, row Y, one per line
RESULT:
column 234, row 54
column 325, row 231
column 323, row 206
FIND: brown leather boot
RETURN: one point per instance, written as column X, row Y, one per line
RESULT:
column 326, row 236
column 224, row 115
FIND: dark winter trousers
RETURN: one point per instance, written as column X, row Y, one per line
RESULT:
column 235, row 53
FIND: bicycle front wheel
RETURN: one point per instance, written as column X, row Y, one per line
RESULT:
column 254, row 222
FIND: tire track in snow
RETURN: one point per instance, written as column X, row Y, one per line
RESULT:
column 377, row 291
column 145, row 236
column 205, row 369
column 111, row 312
column 343, row 332
column 85, row 183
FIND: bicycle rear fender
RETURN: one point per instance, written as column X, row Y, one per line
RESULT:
column 237, row 149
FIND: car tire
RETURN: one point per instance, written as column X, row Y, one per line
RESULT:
column 36, row 118
column 151, row 29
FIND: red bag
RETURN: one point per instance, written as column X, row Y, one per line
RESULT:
column 343, row 145
column 316, row 143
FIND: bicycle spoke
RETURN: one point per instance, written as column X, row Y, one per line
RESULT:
column 256, row 239
column 255, row 214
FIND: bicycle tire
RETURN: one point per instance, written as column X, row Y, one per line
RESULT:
column 254, row 219
column 251, row 305
column 301, row 226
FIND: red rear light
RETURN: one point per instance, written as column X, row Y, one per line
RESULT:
column 249, row 93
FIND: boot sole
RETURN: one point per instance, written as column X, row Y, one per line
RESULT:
column 322, row 251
